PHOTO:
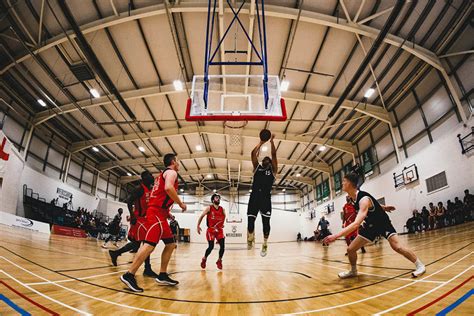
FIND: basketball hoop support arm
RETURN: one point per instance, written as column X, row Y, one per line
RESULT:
column 261, row 53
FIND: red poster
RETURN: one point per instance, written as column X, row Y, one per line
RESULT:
column 68, row 231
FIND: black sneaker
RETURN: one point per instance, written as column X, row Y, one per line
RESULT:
column 113, row 257
column 150, row 273
column 164, row 279
column 129, row 280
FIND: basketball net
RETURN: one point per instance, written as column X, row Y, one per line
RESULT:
column 234, row 129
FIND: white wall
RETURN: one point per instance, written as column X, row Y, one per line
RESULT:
column 284, row 224
column 444, row 154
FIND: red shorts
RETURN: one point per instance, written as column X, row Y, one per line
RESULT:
column 137, row 232
column 214, row 233
column 157, row 226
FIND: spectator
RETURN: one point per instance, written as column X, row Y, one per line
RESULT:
column 450, row 220
column 458, row 210
column 174, row 225
column 324, row 224
column 440, row 211
column 432, row 217
column 468, row 205
column 425, row 214
column 54, row 202
column 298, row 237
column 413, row 224
column 114, row 228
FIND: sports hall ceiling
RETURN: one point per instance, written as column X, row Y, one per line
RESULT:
column 143, row 46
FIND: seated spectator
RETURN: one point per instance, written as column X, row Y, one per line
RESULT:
column 298, row 237
column 450, row 220
column 413, row 224
column 440, row 211
column 458, row 211
column 432, row 215
column 54, row 202
column 468, row 205
column 425, row 214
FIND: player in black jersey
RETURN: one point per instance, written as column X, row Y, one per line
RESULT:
column 373, row 221
column 260, row 198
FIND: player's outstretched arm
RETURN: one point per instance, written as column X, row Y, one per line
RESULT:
column 254, row 154
column 274, row 155
column 361, row 215
column 204, row 213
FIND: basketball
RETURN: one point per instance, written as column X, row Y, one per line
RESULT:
column 265, row 135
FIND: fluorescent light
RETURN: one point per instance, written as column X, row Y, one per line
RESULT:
column 41, row 102
column 95, row 149
column 298, row 174
column 369, row 93
column 264, row 148
column 95, row 93
column 129, row 174
column 178, row 85
column 199, row 147
column 284, row 190
column 140, row 148
column 284, row 85
column 209, row 176
column 250, row 190
column 182, row 190
column 322, row 148
column 214, row 190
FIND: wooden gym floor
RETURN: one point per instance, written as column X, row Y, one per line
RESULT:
column 69, row 276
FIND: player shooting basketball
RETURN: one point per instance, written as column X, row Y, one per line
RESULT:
column 260, row 198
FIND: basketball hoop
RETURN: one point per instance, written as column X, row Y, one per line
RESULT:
column 234, row 130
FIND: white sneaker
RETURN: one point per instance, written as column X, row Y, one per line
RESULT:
column 347, row 274
column 263, row 253
column 104, row 246
column 419, row 271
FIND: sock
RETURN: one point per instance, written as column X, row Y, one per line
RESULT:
column 250, row 236
column 265, row 241
column 418, row 263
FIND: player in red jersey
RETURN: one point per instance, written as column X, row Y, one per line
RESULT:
column 162, row 197
column 349, row 214
column 215, row 229
column 137, row 203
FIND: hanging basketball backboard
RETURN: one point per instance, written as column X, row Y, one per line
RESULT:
column 236, row 97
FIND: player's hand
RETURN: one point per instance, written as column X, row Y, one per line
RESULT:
column 273, row 136
column 199, row 230
column 329, row 239
column 183, row 207
column 389, row 208
column 133, row 220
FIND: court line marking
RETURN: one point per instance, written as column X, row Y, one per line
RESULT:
column 441, row 297
column 79, row 293
column 380, row 294
column 26, row 298
column 424, row 294
column 233, row 302
column 379, row 275
column 41, row 294
column 13, row 306
column 453, row 306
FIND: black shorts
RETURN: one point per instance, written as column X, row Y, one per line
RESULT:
column 372, row 231
column 259, row 204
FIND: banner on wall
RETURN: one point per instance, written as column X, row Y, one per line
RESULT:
column 11, row 168
column 23, row 223
column 68, row 231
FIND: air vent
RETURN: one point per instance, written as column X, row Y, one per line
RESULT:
column 82, row 72
column 436, row 182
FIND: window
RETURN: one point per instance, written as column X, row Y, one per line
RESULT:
column 337, row 182
column 325, row 189
column 319, row 196
column 368, row 161
column 436, row 182
column 347, row 168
